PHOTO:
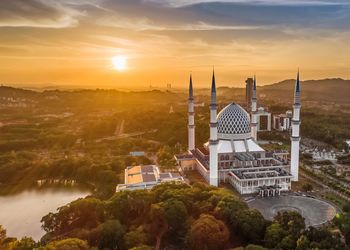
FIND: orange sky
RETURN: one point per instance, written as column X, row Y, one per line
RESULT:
column 72, row 42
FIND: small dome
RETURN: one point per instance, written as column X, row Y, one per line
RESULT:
column 233, row 123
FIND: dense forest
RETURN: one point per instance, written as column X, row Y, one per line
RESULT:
column 177, row 216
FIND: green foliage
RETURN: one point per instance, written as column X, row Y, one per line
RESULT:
column 285, row 230
column 343, row 222
column 254, row 247
column 166, row 157
column 319, row 238
column 274, row 235
column 142, row 247
column 25, row 243
column 329, row 128
column 99, row 128
column 176, row 219
column 249, row 224
column 110, row 235
column 208, row 233
column 68, row 244
column 163, row 216
column 2, row 234
column 80, row 214
column 135, row 238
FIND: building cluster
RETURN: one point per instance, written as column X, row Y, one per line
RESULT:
column 265, row 120
column 232, row 154
column 146, row 177
column 282, row 122
column 12, row 102
column 323, row 155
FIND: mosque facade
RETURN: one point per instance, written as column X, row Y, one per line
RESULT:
column 232, row 154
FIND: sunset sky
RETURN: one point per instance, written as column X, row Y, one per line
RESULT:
column 78, row 42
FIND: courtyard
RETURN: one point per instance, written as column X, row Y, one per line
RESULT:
column 315, row 211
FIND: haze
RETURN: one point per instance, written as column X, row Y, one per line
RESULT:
column 72, row 42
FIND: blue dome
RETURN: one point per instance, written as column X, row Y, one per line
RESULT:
column 233, row 123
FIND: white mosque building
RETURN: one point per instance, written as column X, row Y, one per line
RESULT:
column 232, row 154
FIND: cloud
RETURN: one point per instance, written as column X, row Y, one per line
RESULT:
column 179, row 3
column 37, row 13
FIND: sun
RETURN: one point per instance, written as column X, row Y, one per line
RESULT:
column 119, row 62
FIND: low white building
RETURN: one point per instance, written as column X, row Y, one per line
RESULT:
column 145, row 177
column 282, row 122
column 137, row 153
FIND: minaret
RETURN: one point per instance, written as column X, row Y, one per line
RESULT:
column 191, row 126
column 295, row 138
column 213, row 141
column 254, row 122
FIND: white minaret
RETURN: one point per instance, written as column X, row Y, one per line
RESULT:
column 213, row 141
column 295, row 138
column 191, row 126
column 254, row 122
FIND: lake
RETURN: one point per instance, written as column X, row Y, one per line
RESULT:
column 20, row 214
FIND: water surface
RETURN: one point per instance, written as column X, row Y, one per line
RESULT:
column 20, row 214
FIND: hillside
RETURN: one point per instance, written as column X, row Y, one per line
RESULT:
column 335, row 90
column 330, row 90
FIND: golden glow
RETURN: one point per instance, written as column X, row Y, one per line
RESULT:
column 119, row 62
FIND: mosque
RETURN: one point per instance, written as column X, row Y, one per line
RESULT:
column 232, row 154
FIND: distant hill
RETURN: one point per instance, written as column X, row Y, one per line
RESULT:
column 6, row 91
column 335, row 90
column 329, row 90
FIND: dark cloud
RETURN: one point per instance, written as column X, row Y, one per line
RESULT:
column 36, row 13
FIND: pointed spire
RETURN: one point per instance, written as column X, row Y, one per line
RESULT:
column 297, row 90
column 213, row 85
column 213, row 89
column 254, row 86
column 297, row 87
column 191, row 88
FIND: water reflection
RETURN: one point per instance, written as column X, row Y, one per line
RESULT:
column 21, row 213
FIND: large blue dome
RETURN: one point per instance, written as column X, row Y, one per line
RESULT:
column 233, row 123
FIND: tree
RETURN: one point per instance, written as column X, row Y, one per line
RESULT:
column 247, row 223
column 110, row 235
column 158, row 223
column 291, row 221
column 285, row 230
column 142, row 247
column 2, row 234
column 106, row 182
column 254, row 247
column 250, row 224
column 319, row 238
column 274, row 235
column 25, row 243
column 343, row 222
column 68, row 244
column 165, row 157
column 83, row 213
column 128, row 206
column 176, row 217
column 135, row 238
column 208, row 233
